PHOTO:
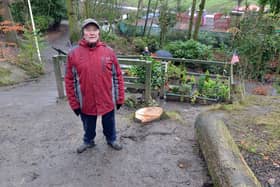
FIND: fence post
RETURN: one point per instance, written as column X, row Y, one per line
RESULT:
column 58, row 77
column 230, row 88
column 164, row 77
column 148, row 80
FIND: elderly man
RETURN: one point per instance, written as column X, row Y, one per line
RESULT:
column 94, row 85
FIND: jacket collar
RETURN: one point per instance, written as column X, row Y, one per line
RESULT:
column 84, row 43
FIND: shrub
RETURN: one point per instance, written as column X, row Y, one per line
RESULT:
column 139, row 44
column 174, row 35
column 152, row 43
column 54, row 10
column 28, row 59
column 257, row 44
column 208, row 39
column 43, row 22
column 190, row 50
column 108, row 37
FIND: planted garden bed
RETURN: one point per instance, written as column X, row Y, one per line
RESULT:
column 196, row 87
column 186, row 80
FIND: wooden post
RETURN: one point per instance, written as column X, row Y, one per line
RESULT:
column 58, row 77
column 230, row 88
column 231, row 73
column 231, row 80
column 164, row 71
column 148, row 80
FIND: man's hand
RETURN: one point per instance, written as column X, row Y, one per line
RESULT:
column 77, row 111
column 119, row 106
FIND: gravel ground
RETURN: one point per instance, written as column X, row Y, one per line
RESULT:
column 39, row 136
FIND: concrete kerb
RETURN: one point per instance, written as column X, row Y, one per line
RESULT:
column 225, row 163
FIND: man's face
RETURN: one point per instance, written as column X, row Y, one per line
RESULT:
column 91, row 33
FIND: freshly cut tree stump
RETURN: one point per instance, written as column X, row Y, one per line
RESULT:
column 225, row 163
column 148, row 114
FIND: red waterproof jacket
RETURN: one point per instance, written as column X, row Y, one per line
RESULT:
column 93, row 79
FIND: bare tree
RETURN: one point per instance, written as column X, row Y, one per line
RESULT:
column 239, row 3
column 86, row 7
column 164, row 20
column 191, row 19
column 179, row 5
column 147, row 17
column 154, row 13
column 198, row 19
column 139, row 8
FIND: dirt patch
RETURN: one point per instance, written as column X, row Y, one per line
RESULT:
column 254, row 126
column 40, row 144
column 40, row 135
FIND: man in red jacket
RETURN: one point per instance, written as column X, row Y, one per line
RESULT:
column 94, row 85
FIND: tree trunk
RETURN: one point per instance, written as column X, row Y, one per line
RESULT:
column 73, row 22
column 179, row 6
column 191, row 19
column 86, row 9
column 147, row 17
column 154, row 13
column 239, row 3
column 198, row 19
column 164, row 20
column 139, row 8
column 10, row 36
column 262, row 4
column 225, row 163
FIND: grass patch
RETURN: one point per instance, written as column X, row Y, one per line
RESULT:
column 270, row 122
column 227, row 107
column 5, row 77
column 255, row 127
column 258, row 100
column 173, row 115
column 33, row 70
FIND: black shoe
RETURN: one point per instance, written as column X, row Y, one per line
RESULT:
column 84, row 147
column 115, row 145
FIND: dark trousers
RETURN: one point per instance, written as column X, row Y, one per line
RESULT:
column 108, row 124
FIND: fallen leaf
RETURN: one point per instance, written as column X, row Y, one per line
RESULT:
column 271, row 181
column 265, row 157
column 276, row 164
column 181, row 165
